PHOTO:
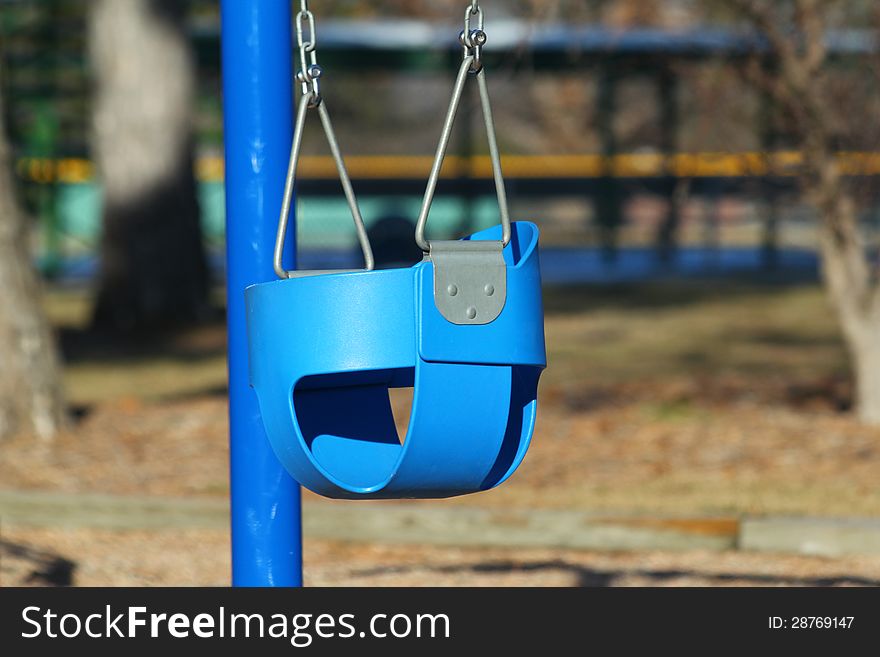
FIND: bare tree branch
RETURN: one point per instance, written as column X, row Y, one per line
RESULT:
column 796, row 77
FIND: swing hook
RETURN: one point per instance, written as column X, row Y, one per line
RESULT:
column 473, row 40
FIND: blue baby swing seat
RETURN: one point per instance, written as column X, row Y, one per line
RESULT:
column 464, row 328
column 324, row 351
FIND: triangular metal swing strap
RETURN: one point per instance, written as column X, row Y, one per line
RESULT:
column 308, row 101
column 467, row 68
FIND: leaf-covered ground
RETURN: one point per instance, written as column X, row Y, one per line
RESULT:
column 685, row 399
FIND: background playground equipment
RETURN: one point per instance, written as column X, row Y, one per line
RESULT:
column 47, row 87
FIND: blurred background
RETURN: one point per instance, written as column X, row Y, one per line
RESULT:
column 704, row 175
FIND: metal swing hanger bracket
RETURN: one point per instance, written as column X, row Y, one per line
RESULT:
column 309, row 75
column 470, row 277
column 470, row 280
column 474, row 40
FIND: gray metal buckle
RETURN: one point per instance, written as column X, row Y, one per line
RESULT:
column 470, row 280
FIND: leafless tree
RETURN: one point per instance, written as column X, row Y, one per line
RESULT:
column 800, row 82
column 30, row 377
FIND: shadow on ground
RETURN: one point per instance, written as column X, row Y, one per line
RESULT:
column 589, row 577
column 31, row 566
column 198, row 343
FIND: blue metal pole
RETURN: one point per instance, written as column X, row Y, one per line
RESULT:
column 258, row 103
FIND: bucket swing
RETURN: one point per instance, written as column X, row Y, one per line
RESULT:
column 464, row 328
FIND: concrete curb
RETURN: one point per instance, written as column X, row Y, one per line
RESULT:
column 829, row 537
column 97, row 511
column 468, row 526
column 459, row 525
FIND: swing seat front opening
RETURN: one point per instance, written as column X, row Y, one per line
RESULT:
column 326, row 349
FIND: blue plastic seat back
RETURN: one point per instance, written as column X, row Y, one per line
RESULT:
column 324, row 351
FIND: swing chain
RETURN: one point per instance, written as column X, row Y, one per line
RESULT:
column 473, row 40
column 311, row 99
column 310, row 72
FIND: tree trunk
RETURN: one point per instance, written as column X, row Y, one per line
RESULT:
column 30, row 381
column 153, row 269
column 847, row 278
column 867, row 394
column 797, row 82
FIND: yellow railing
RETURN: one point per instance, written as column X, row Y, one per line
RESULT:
column 628, row 165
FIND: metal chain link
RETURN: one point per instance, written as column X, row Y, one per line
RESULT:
column 473, row 40
column 310, row 72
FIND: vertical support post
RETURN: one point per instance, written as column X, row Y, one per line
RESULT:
column 608, row 200
column 767, row 117
column 258, row 104
column 676, row 188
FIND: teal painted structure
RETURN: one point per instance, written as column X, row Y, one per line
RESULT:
column 322, row 222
